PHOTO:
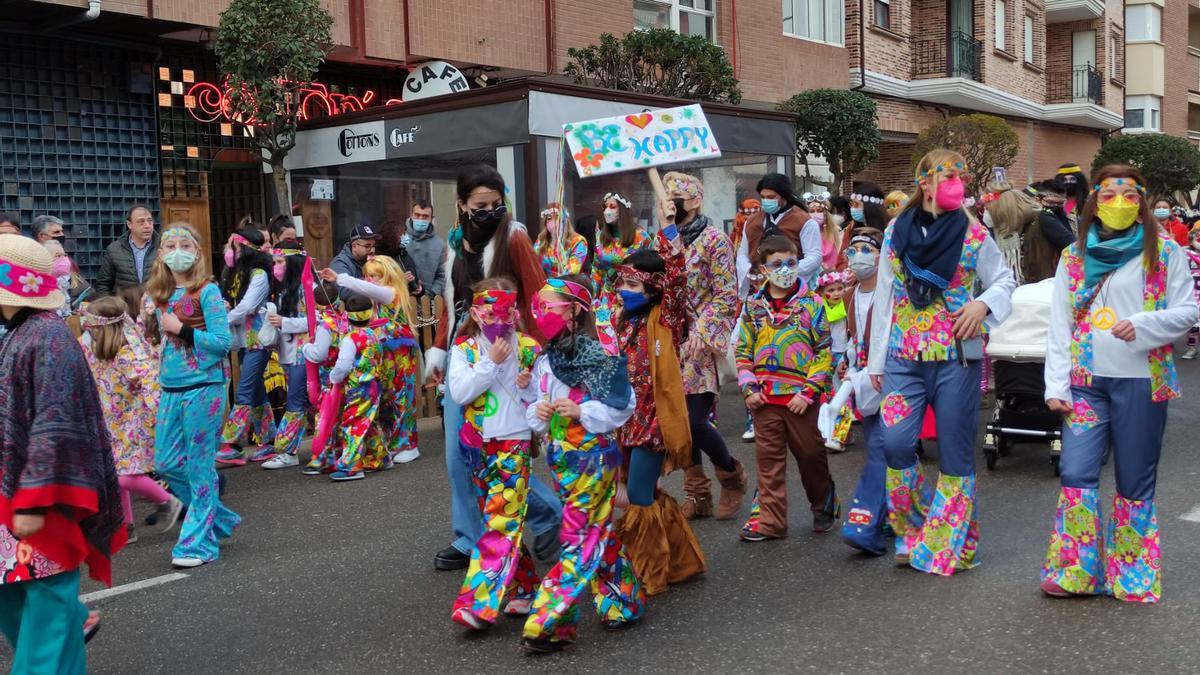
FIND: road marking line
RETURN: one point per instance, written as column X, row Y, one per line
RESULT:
column 1193, row 515
column 135, row 586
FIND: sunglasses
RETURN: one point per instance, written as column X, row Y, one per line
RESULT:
column 777, row 264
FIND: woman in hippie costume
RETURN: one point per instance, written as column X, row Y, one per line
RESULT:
column 1122, row 296
column 926, row 349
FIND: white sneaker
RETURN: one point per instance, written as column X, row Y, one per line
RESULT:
column 1189, row 353
column 281, row 461
column 406, row 456
column 834, row 447
column 186, row 563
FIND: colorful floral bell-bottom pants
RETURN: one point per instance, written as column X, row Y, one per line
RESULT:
column 358, row 430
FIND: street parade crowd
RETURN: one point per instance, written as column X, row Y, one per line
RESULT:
column 605, row 360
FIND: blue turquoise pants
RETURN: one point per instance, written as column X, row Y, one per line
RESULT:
column 43, row 621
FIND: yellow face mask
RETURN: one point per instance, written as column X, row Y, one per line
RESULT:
column 1118, row 213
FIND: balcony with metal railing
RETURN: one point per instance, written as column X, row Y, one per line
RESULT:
column 960, row 56
column 1081, row 84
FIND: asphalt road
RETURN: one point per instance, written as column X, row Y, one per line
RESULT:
column 333, row 578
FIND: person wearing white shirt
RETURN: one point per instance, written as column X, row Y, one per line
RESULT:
column 926, row 349
column 1122, row 296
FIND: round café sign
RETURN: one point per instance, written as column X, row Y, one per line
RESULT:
column 434, row 78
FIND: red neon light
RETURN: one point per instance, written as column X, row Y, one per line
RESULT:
column 316, row 102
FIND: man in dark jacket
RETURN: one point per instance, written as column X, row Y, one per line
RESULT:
column 354, row 254
column 128, row 260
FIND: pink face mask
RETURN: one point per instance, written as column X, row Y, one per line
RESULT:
column 62, row 266
column 279, row 270
column 950, row 193
column 229, row 259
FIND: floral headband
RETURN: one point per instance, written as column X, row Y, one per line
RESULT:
column 570, row 289
column 938, row 170
column 616, row 197
column 361, row 315
column 830, row 277
column 284, row 252
column 555, row 212
column 866, row 199
column 1111, row 182
column 866, row 239
column 25, row 282
column 989, row 197
column 183, row 233
column 88, row 320
column 681, row 182
column 500, row 300
column 654, row 279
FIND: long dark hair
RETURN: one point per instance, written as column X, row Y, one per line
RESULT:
column 874, row 215
column 249, row 258
column 468, row 265
column 289, row 290
column 627, row 226
column 1087, row 213
column 1080, row 189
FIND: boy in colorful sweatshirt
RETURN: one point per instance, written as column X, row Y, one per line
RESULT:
column 784, row 363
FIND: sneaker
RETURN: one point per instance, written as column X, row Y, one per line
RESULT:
column 386, row 466
column 230, row 456
column 621, row 625
column 748, row 435
column 406, row 456
column 311, row 470
column 1054, row 590
column 824, row 522
column 281, row 461
column 130, row 536
column 754, row 537
column 342, row 476
column 91, row 625
column 543, row 646
column 463, row 617
column 834, row 447
column 518, row 607
column 1189, row 353
column 187, row 563
column 263, row 453
column 168, row 514
column 449, row 559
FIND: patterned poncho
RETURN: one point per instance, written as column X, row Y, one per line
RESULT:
column 54, row 455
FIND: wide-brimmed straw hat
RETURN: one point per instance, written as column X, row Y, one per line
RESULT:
column 26, row 274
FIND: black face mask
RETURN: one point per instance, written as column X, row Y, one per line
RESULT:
column 488, row 217
column 681, row 213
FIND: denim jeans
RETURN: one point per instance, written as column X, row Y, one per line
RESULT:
column 251, row 390
column 297, row 387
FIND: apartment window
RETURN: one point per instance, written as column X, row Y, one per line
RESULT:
column 820, row 20
column 1143, row 113
column 1000, row 18
column 883, row 14
column 1114, row 57
column 1029, row 35
column 1143, row 23
column 688, row 17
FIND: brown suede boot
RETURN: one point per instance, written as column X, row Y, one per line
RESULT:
column 698, row 488
column 733, row 489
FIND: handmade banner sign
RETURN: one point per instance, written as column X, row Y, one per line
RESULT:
column 641, row 141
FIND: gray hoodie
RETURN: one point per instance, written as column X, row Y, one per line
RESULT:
column 344, row 263
column 428, row 252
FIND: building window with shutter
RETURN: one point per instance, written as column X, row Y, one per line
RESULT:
column 819, row 20
column 883, row 14
column 1030, row 37
column 1001, row 17
column 688, row 17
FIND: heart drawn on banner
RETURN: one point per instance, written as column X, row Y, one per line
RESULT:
column 640, row 121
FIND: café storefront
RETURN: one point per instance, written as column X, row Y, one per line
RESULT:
column 369, row 167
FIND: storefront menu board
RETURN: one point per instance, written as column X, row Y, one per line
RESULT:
column 641, row 141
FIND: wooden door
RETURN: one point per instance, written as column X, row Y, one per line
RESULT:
column 317, row 217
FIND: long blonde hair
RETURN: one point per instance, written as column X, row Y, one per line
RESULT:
column 162, row 280
column 566, row 231
column 938, row 157
column 391, row 274
column 1011, row 211
column 107, row 340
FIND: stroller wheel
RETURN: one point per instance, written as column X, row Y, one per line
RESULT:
column 990, row 456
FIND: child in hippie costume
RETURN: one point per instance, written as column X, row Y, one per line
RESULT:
column 617, row 240
column 125, row 368
column 490, row 376
column 290, row 261
column 359, row 362
column 323, row 350
column 657, row 438
column 583, row 397
column 1122, row 297
column 926, row 349
column 190, row 311
column 784, row 367
column 831, row 286
column 561, row 248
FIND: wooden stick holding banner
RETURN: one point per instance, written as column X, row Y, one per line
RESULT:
column 643, row 141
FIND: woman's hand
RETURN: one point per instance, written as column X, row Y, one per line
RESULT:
column 328, row 275
column 275, row 320
column 524, row 378
column 544, row 411
column 877, row 383
column 968, row 319
column 1124, row 330
column 27, row 524
column 500, row 351
column 1059, row 406
column 567, row 408
column 170, row 324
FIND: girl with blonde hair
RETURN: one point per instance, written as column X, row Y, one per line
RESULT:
column 926, row 350
column 1008, row 213
column 562, row 249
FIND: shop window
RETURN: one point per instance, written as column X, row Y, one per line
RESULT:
column 1143, row 113
column 688, row 17
column 818, row 20
column 1143, row 23
column 883, row 14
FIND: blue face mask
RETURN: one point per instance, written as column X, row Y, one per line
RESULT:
column 421, row 226
column 856, row 215
column 405, row 240
column 633, row 300
column 1162, row 214
column 770, row 206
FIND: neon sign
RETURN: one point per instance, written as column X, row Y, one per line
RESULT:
column 206, row 102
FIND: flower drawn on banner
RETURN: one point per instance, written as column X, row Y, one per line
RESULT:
column 589, row 160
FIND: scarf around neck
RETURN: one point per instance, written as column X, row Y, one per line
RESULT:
column 1103, row 256
column 930, row 248
column 691, row 231
column 606, row 377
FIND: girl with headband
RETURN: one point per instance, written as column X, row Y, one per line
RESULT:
column 582, row 397
column 1122, row 297
column 322, row 349
column 619, row 238
column 356, row 370
column 490, row 376
column 290, row 321
column 562, row 249
column 190, row 311
column 926, row 349
column 126, row 371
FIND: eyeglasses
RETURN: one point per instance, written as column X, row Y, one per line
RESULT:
column 777, row 264
column 365, row 244
column 1107, row 196
column 860, row 249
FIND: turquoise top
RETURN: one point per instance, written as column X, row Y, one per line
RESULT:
column 202, row 362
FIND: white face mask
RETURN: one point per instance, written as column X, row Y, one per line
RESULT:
column 987, row 219
column 610, row 216
column 838, row 219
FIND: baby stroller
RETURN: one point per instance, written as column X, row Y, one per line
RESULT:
column 1018, row 351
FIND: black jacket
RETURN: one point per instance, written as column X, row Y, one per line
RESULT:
column 118, row 266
